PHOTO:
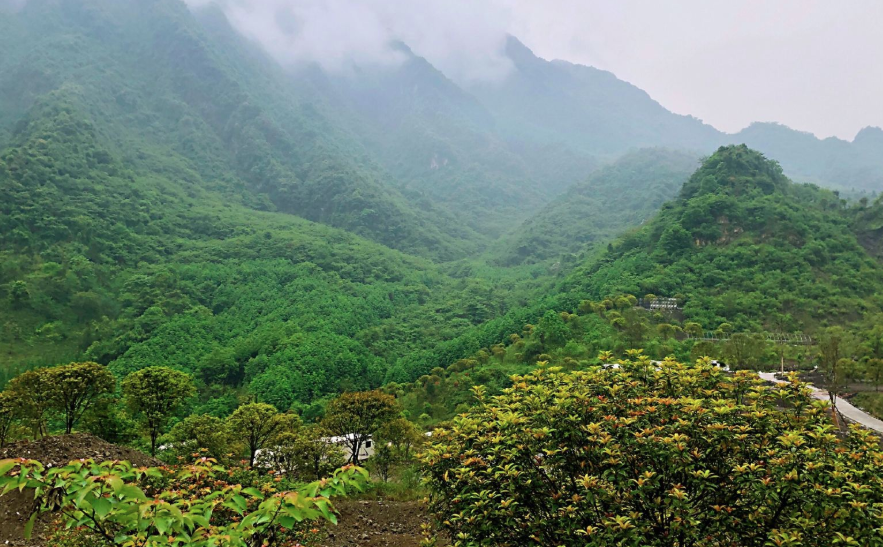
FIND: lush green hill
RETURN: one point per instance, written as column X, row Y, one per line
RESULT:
column 743, row 249
column 619, row 196
column 158, row 83
column 170, row 195
column 744, row 245
column 135, row 268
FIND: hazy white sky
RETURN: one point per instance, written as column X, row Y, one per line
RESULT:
column 815, row 65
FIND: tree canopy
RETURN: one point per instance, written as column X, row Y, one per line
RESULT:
column 666, row 455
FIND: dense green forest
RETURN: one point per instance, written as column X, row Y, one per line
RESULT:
column 173, row 197
column 747, row 246
column 618, row 196
column 133, row 270
column 222, row 260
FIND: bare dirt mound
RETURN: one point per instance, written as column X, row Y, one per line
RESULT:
column 377, row 524
column 15, row 507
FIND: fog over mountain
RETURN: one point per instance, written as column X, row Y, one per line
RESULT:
column 811, row 65
column 464, row 39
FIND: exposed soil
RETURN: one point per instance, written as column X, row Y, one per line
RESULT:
column 15, row 507
column 378, row 524
column 817, row 379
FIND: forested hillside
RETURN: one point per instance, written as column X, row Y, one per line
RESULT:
column 135, row 269
column 163, row 91
column 742, row 250
column 746, row 246
column 173, row 196
column 619, row 196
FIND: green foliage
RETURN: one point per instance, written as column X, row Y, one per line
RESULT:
column 304, row 454
column 551, row 329
column 31, row 397
column 75, row 388
column 154, row 394
column 358, row 415
column 200, row 431
column 119, row 505
column 395, row 447
column 257, row 424
column 747, row 247
column 614, row 199
column 7, row 416
column 653, row 455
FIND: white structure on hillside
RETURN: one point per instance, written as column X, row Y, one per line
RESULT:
column 366, row 449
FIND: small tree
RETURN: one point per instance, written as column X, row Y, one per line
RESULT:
column 316, row 457
column 303, row 454
column 31, row 394
column 200, row 432
column 551, row 329
column 358, row 415
column 744, row 350
column 833, row 348
column 155, row 394
column 7, row 417
column 693, row 329
column 403, row 435
column 74, row 388
column 256, row 424
column 19, row 294
column 394, row 443
column 383, row 460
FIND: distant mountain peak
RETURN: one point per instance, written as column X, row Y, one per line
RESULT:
column 869, row 135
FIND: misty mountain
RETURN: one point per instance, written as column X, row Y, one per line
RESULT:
column 852, row 166
column 442, row 146
column 157, row 83
column 596, row 113
column 586, row 108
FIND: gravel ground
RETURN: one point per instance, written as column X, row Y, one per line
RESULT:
column 378, row 524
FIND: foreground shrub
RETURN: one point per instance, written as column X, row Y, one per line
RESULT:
column 118, row 504
column 646, row 455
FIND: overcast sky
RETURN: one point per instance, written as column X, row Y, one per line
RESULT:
column 815, row 65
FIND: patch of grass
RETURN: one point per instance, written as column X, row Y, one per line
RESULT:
column 869, row 401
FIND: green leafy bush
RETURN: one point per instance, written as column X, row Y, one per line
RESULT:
column 666, row 455
column 118, row 504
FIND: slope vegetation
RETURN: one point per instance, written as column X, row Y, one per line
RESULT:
column 618, row 197
column 744, row 245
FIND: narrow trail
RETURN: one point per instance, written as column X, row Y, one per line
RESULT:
column 843, row 406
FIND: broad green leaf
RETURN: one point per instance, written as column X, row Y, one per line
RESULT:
column 29, row 526
column 101, row 506
column 6, row 466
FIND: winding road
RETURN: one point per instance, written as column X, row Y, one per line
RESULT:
column 846, row 409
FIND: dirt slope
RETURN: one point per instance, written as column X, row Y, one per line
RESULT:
column 15, row 507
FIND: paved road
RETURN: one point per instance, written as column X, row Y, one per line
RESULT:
column 843, row 406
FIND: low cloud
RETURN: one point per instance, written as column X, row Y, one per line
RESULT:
column 463, row 38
